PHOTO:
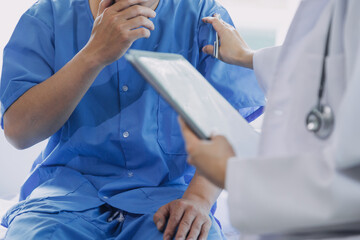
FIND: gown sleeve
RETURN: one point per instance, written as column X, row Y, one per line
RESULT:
column 312, row 192
column 27, row 61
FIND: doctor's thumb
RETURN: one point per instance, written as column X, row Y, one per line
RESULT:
column 209, row 49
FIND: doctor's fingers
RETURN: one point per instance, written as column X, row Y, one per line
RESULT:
column 209, row 49
column 219, row 25
column 191, row 140
column 191, row 161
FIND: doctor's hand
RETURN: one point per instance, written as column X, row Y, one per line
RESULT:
column 185, row 218
column 233, row 48
column 116, row 27
column 209, row 157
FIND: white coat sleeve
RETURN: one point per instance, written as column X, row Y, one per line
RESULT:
column 264, row 62
column 309, row 192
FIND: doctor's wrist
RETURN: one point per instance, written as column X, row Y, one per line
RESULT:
column 245, row 59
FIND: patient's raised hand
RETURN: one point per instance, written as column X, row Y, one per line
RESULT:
column 116, row 27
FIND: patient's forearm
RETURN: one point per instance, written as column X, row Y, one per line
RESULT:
column 201, row 189
column 44, row 109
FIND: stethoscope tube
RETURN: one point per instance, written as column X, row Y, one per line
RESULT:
column 321, row 118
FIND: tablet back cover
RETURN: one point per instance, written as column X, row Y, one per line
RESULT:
column 202, row 107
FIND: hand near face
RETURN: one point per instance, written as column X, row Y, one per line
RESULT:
column 116, row 27
column 209, row 157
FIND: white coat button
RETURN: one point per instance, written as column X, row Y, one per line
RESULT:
column 105, row 197
column 126, row 134
column 125, row 88
column 130, row 174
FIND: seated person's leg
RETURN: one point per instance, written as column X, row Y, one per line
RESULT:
column 215, row 231
column 139, row 227
column 63, row 225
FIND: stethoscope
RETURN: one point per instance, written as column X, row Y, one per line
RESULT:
column 321, row 119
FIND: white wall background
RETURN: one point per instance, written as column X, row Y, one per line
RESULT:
column 272, row 17
column 262, row 15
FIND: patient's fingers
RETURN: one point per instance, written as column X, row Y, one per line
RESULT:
column 103, row 5
column 119, row 6
column 196, row 229
column 186, row 224
column 161, row 216
column 136, row 11
column 176, row 213
column 205, row 230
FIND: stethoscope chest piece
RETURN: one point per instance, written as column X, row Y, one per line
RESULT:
column 321, row 121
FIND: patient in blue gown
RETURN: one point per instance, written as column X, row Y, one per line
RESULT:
column 115, row 163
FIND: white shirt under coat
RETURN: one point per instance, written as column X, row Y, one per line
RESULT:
column 298, row 183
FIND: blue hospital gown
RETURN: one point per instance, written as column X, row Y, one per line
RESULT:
column 122, row 145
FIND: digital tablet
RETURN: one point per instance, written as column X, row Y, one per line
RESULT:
column 201, row 106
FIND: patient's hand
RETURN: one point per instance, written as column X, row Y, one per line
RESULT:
column 116, row 27
column 189, row 215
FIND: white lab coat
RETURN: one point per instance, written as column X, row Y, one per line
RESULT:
column 298, row 183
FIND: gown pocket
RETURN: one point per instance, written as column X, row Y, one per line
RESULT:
column 169, row 135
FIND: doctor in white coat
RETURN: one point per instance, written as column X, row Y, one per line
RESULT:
column 302, row 185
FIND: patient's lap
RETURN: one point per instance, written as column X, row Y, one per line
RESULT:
column 104, row 222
